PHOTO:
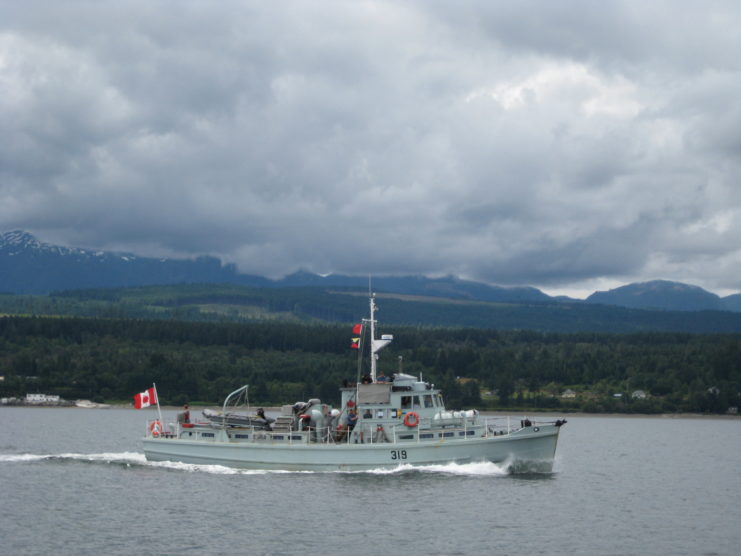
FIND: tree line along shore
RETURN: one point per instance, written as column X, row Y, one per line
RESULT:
column 108, row 360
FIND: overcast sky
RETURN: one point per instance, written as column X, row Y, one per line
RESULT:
column 571, row 146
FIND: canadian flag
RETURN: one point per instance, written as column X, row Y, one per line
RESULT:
column 145, row 399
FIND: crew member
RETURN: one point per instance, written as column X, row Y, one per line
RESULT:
column 352, row 418
column 261, row 415
column 184, row 416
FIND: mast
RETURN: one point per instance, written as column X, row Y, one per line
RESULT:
column 376, row 344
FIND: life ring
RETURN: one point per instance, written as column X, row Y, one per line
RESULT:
column 411, row 419
column 155, row 428
column 536, row 429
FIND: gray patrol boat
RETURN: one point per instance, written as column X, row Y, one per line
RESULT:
column 380, row 423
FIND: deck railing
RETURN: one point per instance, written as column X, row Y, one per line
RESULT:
column 363, row 433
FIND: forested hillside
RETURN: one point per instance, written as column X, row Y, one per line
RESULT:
column 111, row 359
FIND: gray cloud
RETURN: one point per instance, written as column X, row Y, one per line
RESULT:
column 561, row 145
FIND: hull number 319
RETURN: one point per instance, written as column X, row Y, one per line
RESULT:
column 398, row 454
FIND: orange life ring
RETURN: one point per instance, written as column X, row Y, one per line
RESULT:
column 411, row 419
column 155, row 428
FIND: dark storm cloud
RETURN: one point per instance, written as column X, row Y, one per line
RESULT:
column 565, row 145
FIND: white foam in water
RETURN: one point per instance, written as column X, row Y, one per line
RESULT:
column 13, row 458
column 213, row 469
column 134, row 458
column 123, row 457
column 131, row 458
column 484, row 468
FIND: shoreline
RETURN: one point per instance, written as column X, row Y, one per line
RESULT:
column 486, row 413
column 618, row 415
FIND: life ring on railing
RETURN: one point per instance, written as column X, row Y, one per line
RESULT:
column 155, row 428
column 411, row 419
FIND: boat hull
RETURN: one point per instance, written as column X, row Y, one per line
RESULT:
column 524, row 450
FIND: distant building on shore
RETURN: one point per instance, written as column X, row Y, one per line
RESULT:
column 41, row 398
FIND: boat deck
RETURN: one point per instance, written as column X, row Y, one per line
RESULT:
column 361, row 434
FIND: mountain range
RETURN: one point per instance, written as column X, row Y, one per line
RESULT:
column 28, row 266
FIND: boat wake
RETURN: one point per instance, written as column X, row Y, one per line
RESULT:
column 484, row 468
column 135, row 459
column 131, row 459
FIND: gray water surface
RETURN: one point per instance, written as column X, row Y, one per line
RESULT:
column 75, row 481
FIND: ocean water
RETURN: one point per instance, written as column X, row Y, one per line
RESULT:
column 75, row 481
